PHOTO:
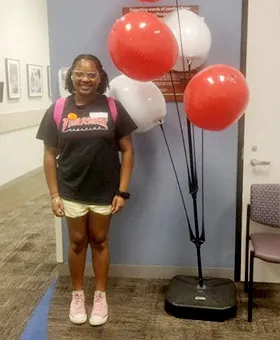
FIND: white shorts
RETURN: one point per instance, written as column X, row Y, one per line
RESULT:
column 75, row 209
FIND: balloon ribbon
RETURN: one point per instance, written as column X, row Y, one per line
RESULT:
column 196, row 237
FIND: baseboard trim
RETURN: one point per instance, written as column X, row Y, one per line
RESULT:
column 21, row 179
column 152, row 272
column 59, row 240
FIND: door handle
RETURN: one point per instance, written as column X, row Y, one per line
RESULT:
column 255, row 162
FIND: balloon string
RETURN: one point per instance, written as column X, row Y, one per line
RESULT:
column 181, row 39
column 202, row 235
column 192, row 237
column 181, row 127
column 193, row 167
column 194, row 158
column 192, row 147
column 193, row 181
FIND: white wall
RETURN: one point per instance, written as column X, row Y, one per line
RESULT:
column 23, row 36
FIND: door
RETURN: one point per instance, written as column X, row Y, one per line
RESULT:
column 261, row 157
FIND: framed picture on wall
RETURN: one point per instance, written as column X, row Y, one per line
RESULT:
column 13, row 78
column 62, row 73
column 1, row 91
column 49, row 81
column 35, row 80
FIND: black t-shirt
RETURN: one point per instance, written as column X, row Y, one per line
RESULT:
column 87, row 139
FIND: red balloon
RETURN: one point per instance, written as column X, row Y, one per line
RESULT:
column 142, row 46
column 216, row 97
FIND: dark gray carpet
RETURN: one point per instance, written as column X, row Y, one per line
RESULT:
column 27, row 260
column 137, row 313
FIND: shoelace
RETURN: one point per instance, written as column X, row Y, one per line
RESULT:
column 79, row 302
column 99, row 305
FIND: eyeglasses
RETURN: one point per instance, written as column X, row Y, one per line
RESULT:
column 81, row 74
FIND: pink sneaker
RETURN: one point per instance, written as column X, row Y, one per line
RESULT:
column 78, row 313
column 99, row 314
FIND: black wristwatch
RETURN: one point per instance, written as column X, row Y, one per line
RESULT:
column 124, row 195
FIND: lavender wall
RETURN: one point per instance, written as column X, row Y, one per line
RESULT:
column 152, row 229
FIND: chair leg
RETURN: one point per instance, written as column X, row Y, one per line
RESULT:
column 251, row 287
column 247, row 249
column 246, row 266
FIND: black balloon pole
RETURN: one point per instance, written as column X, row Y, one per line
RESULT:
column 211, row 299
column 191, row 164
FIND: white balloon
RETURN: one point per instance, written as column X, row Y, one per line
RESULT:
column 143, row 101
column 195, row 35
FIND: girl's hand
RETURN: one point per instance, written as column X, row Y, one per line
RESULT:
column 57, row 206
column 117, row 204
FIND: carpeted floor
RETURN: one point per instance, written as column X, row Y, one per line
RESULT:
column 137, row 313
column 27, row 261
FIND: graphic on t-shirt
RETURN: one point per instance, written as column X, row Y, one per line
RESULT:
column 95, row 121
column 72, row 116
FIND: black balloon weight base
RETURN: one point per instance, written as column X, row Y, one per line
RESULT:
column 216, row 301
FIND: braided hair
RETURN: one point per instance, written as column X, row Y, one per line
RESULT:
column 104, row 83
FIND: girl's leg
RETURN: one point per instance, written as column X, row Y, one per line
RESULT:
column 98, row 239
column 78, row 236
